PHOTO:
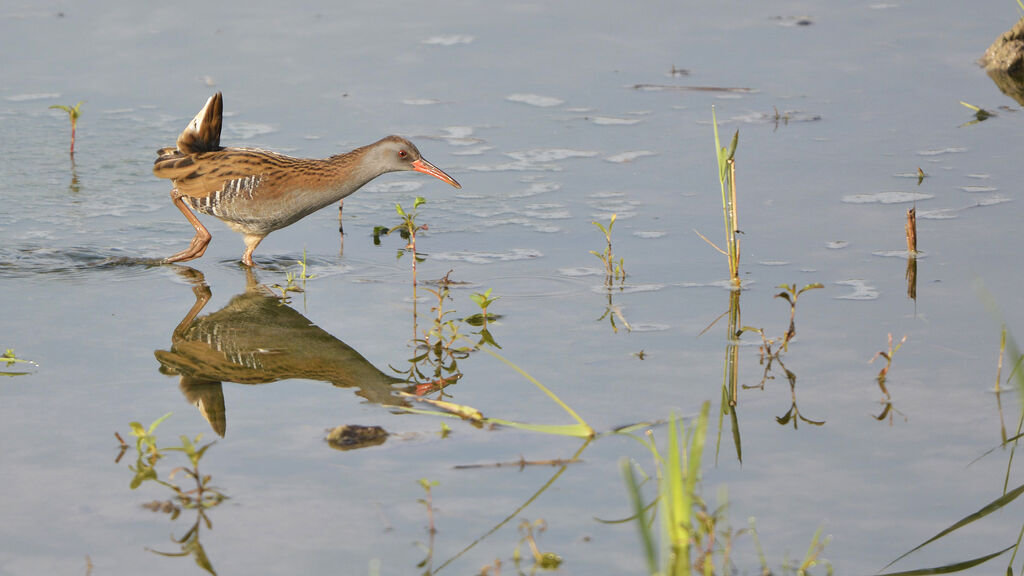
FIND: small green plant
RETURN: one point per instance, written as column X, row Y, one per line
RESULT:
column 73, row 113
column 10, row 358
column 612, row 270
column 291, row 284
column 304, row 274
column 888, row 355
column 692, row 535
column 409, row 227
column 428, row 503
column 541, row 560
column 483, row 300
column 483, row 318
column 791, row 294
column 727, row 180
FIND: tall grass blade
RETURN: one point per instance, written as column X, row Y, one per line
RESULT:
column 674, row 494
column 543, row 388
column 950, row 568
column 636, row 498
column 989, row 508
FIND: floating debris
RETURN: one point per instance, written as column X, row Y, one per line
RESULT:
column 352, row 436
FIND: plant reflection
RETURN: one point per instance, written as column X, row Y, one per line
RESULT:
column 437, row 351
column 256, row 339
column 200, row 498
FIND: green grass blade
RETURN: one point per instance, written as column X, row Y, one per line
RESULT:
column 636, row 499
column 989, row 508
column 542, row 387
column 696, row 451
column 675, row 494
column 950, row 568
column 575, row 430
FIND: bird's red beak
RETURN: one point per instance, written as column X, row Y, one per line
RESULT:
column 422, row 165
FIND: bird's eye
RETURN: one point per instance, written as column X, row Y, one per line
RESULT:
column 403, row 154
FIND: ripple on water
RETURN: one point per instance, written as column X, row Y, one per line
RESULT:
column 941, row 151
column 420, row 101
column 899, row 254
column 539, row 159
column 449, row 40
column 649, row 327
column 536, row 188
column 474, row 257
column 246, row 130
column 535, row 100
column 837, row 244
column 580, row 271
column 886, row 197
column 73, row 262
column 626, row 288
column 613, row 121
column 460, row 136
column 547, row 211
column 32, row 96
column 625, row 157
column 975, row 189
column 649, row 234
column 399, row 186
column 472, row 151
column 861, row 290
column 940, row 214
column 950, row 213
column 280, row 264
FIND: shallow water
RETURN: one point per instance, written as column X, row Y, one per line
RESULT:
column 533, row 108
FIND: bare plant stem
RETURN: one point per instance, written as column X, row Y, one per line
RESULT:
column 912, row 231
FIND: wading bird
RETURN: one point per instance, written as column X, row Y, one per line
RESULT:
column 257, row 191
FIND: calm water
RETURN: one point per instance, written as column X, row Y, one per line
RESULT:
column 532, row 108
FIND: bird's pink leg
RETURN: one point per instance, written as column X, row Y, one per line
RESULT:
column 199, row 242
column 251, row 242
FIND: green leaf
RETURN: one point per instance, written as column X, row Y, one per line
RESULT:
column 419, row 200
column 398, row 208
column 159, row 420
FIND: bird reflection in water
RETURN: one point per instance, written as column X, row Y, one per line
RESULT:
column 256, row 339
